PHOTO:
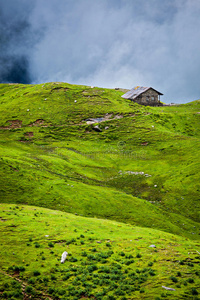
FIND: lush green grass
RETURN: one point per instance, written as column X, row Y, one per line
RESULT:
column 50, row 157
column 141, row 170
column 106, row 259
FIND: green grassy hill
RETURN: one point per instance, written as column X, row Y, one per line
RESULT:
column 140, row 167
column 106, row 260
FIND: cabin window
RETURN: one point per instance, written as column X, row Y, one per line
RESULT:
column 152, row 98
column 147, row 98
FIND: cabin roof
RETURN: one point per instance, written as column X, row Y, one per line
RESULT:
column 136, row 91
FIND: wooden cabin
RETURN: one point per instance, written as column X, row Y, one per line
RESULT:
column 144, row 96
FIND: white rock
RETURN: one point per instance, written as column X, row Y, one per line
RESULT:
column 46, row 235
column 63, row 257
column 75, row 101
column 152, row 246
column 155, row 185
column 28, row 109
column 167, row 288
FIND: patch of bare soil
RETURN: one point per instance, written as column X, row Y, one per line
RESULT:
column 38, row 122
column 13, row 124
column 29, row 134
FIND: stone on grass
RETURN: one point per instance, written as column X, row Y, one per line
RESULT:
column 63, row 257
column 152, row 246
column 167, row 288
column 96, row 128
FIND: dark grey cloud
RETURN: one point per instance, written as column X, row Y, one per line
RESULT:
column 105, row 43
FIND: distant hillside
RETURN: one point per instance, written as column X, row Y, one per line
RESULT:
column 89, row 152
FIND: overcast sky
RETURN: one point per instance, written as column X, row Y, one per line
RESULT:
column 105, row 43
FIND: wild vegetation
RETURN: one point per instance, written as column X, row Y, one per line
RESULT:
column 89, row 152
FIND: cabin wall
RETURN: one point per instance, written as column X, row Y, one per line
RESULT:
column 149, row 97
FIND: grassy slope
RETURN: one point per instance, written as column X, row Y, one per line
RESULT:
column 107, row 260
column 60, row 162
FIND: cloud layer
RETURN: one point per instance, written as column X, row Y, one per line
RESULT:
column 108, row 43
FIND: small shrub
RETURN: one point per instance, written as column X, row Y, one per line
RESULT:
column 129, row 256
column 137, row 271
column 174, row 279
column 190, row 264
column 53, row 277
column 50, row 244
column 129, row 262
column 51, row 290
column 36, row 273
column 111, row 297
column 5, row 295
column 73, row 259
column 61, row 292
column 29, row 289
column 66, row 277
column 190, row 280
column 150, row 264
column 45, row 279
column 138, row 255
column 194, row 291
column 31, row 280
column 18, row 295
column 142, row 291
column 179, row 274
column 152, row 272
column 92, row 268
column 37, row 245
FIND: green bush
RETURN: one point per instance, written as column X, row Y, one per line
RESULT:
column 66, row 276
column 73, row 259
column 174, row 279
column 50, row 244
column 36, row 273
column 31, row 280
column 29, row 289
column 53, row 277
column 194, row 291
column 51, row 290
column 92, row 268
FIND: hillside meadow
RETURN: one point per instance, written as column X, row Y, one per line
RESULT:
column 79, row 161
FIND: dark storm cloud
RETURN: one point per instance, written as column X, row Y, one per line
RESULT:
column 104, row 43
column 14, row 30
